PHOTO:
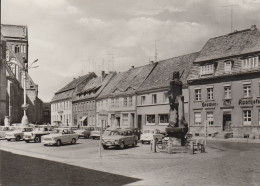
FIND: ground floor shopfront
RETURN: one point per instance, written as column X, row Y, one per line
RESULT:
column 122, row 119
column 226, row 106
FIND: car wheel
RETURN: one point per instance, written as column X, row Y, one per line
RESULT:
column 122, row 145
column 73, row 141
column 8, row 139
column 93, row 137
column 18, row 138
column 86, row 136
column 142, row 142
column 105, row 147
column 27, row 141
column 134, row 144
column 37, row 139
column 58, row 142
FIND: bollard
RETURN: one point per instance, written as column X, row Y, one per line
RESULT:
column 169, row 146
column 191, row 148
column 153, row 145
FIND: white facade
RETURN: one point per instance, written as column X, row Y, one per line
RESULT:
column 61, row 112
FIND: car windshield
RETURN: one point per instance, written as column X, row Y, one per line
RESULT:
column 148, row 132
column 27, row 129
column 38, row 129
column 97, row 128
column 57, row 131
column 5, row 129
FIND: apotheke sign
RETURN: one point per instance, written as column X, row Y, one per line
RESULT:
column 249, row 101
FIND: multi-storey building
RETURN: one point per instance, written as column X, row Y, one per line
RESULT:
column 224, row 86
column 84, row 103
column 61, row 104
column 152, row 96
column 119, row 97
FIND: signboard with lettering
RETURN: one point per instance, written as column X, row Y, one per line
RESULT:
column 249, row 101
column 209, row 104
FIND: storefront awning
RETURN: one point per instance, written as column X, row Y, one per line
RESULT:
column 83, row 118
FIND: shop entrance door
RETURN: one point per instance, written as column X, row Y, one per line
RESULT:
column 227, row 122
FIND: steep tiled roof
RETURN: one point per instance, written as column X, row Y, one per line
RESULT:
column 161, row 75
column 93, row 87
column 63, row 95
column 236, row 43
column 18, row 31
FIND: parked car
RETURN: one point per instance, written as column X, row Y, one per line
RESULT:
column 37, row 133
column 118, row 138
column 60, row 136
column 4, row 130
column 136, row 131
column 95, row 133
column 149, row 134
column 84, row 132
column 17, row 133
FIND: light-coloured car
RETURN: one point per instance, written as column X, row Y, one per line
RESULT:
column 4, row 130
column 37, row 133
column 17, row 133
column 60, row 136
column 118, row 138
column 95, row 133
column 149, row 134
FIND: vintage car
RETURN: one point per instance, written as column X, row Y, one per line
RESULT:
column 149, row 134
column 136, row 131
column 95, row 133
column 84, row 131
column 60, row 136
column 4, row 130
column 37, row 133
column 118, row 138
column 17, row 133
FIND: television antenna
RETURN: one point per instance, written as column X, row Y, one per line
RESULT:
column 231, row 14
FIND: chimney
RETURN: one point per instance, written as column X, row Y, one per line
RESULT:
column 103, row 75
column 132, row 67
column 253, row 27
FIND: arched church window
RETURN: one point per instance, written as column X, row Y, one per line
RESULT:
column 17, row 49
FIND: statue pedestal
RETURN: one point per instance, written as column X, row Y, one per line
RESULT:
column 174, row 146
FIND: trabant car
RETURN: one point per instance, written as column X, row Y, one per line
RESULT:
column 149, row 134
column 4, row 130
column 17, row 133
column 95, row 133
column 37, row 133
column 60, row 136
column 118, row 138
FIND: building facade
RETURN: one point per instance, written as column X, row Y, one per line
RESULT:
column 224, row 86
column 61, row 104
column 152, row 96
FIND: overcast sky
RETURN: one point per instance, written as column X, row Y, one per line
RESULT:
column 74, row 37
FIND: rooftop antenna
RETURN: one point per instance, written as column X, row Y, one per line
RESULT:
column 231, row 15
column 155, row 50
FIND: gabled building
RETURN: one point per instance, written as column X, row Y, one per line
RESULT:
column 152, row 96
column 61, row 104
column 84, row 103
column 118, row 99
column 224, row 86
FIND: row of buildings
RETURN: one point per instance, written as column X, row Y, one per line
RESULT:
column 14, row 57
column 221, row 88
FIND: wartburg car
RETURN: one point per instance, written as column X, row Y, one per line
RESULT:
column 4, row 130
column 117, row 138
column 36, row 134
column 150, row 134
column 17, row 133
column 60, row 136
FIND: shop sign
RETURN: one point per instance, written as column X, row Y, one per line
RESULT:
column 209, row 104
column 248, row 101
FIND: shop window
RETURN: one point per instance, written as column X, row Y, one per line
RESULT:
column 154, row 98
column 227, row 92
column 247, row 117
column 163, row 119
column 207, row 69
column 142, row 100
column 125, row 118
column 125, row 102
column 130, row 101
column 198, row 94
column 210, row 118
column 210, row 93
column 250, row 63
column 197, row 118
column 247, row 90
column 228, row 66
column 150, row 119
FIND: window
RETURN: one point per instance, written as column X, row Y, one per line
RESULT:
column 227, row 92
column 197, row 118
column 142, row 100
column 210, row 93
column 17, row 49
column 117, row 102
column 154, row 98
column 247, row 90
column 198, row 94
column 163, row 119
column 130, row 101
column 210, row 118
column 150, row 119
column 206, row 69
column 250, row 63
column 112, row 103
column 125, row 102
column 247, row 117
column 125, row 118
column 165, row 97
column 228, row 66
column 13, row 48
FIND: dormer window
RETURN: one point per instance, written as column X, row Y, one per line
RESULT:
column 250, row 63
column 207, row 69
column 228, row 66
